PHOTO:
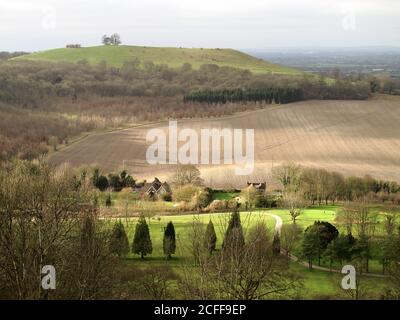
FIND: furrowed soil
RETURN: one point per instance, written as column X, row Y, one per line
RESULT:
column 351, row 137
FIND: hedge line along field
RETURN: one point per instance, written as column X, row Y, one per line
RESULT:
column 351, row 137
column 115, row 56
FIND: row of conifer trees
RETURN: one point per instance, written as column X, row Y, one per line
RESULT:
column 142, row 244
column 267, row 95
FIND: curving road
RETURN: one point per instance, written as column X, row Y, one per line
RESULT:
column 278, row 223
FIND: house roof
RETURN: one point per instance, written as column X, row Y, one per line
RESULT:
column 257, row 185
column 155, row 186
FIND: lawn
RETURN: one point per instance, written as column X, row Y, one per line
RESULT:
column 325, row 285
column 316, row 284
column 309, row 215
column 220, row 195
column 132, row 203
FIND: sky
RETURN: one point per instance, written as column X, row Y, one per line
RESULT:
column 33, row 25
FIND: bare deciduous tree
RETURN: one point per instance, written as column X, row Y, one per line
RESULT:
column 245, row 272
column 294, row 203
column 187, row 174
column 41, row 214
column 288, row 175
column 290, row 233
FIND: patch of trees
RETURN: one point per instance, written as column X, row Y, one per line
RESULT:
column 192, row 197
column 267, row 95
column 385, row 84
column 32, row 83
column 114, row 181
column 4, row 55
column 253, row 198
column 113, row 40
column 48, row 217
column 187, row 174
column 358, row 222
column 316, row 239
column 317, row 186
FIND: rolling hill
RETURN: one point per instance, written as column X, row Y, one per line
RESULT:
column 351, row 137
column 174, row 57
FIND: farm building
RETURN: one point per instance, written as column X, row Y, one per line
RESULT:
column 73, row 46
column 259, row 186
column 154, row 189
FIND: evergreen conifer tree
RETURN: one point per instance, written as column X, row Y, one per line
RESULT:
column 141, row 242
column 119, row 243
column 210, row 238
column 234, row 233
column 169, row 241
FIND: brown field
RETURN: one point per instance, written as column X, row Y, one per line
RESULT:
column 351, row 137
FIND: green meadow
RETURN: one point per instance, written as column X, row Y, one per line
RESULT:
column 115, row 56
column 316, row 284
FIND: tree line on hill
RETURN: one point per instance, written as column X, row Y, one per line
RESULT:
column 54, row 102
column 34, row 83
column 267, row 95
column 4, row 55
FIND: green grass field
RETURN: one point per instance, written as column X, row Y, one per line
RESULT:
column 319, row 284
column 225, row 195
column 173, row 57
column 316, row 284
column 309, row 215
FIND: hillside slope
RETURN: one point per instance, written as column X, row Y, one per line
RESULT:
column 173, row 57
column 351, row 137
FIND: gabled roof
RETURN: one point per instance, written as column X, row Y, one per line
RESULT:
column 257, row 185
column 155, row 186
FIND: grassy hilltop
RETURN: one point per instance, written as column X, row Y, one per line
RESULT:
column 173, row 57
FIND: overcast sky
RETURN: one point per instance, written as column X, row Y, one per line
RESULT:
column 244, row 24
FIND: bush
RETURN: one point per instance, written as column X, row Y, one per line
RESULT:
column 167, row 197
column 185, row 193
column 222, row 205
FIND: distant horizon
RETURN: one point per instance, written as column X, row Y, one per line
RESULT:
column 243, row 49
